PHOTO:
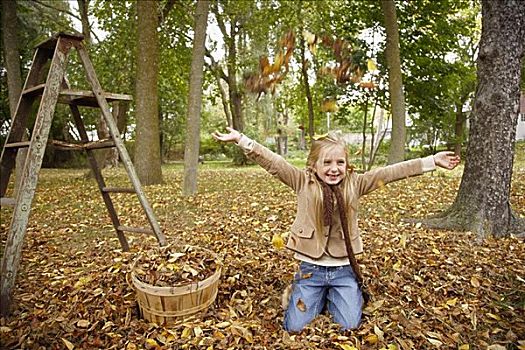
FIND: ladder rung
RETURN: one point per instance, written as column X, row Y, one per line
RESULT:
column 99, row 144
column 77, row 97
column 20, row 144
column 87, row 98
column 35, row 90
column 61, row 145
column 136, row 229
column 7, row 201
column 118, row 190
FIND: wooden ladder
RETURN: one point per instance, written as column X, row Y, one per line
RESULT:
column 55, row 89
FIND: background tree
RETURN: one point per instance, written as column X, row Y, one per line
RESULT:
column 191, row 153
column 482, row 204
column 147, row 146
column 395, row 83
column 11, row 54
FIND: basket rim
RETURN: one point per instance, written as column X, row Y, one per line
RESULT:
column 177, row 289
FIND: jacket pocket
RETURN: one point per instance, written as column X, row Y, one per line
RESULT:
column 303, row 231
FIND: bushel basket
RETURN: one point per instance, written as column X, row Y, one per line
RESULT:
column 164, row 305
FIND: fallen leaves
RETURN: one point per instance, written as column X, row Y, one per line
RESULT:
column 429, row 287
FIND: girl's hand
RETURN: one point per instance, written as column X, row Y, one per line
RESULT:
column 447, row 160
column 232, row 136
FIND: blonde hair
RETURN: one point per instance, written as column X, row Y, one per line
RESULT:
column 318, row 149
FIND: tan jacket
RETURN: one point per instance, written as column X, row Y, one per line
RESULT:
column 303, row 236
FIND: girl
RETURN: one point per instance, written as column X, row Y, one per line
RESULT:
column 324, row 235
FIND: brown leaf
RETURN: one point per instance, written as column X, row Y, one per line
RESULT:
column 301, row 305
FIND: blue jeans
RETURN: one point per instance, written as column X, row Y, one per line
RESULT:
column 318, row 286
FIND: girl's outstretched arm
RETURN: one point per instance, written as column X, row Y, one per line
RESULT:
column 232, row 135
column 446, row 159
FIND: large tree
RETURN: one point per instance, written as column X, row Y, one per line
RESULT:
column 483, row 201
column 191, row 151
column 395, row 83
column 11, row 53
column 147, row 144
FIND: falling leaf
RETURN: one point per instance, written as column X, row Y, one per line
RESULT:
column 68, row 344
column 301, row 305
column 371, row 65
column 367, row 85
column 329, row 106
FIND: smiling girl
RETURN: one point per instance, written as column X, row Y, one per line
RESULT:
column 324, row 234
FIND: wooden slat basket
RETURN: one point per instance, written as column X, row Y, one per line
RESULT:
column 163, row 305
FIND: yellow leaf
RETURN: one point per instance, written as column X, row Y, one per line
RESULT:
column 186, row 333
column 496, row 317
column 436, row 251
column 371, row 65
column 464, row 347
column 151, row 344
column 347, row 346
column 278, row 241
column 397, row 266
column 68, row 344
column 452, row 302
column 392, row 347
column 403, row 240
column 309, row 37
column 371, row 339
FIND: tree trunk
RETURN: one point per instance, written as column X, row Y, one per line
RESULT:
column 395, row 83
column 304, row 74
column 459, row 128
column 191, row 152
column 83, row 6
column 14, row 75
column 482, row 204
column 147, row 143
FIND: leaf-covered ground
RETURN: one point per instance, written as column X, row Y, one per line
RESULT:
column 431, row 288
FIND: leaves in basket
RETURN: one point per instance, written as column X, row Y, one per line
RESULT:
column 163, row 268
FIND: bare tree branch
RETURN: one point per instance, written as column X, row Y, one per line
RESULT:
column 40, row 3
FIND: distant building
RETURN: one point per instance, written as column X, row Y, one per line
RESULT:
column 520, row 128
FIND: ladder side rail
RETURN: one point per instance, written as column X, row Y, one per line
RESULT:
column 98, row 177
column 19, row 119
column 24, row 198
column 115, row 134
